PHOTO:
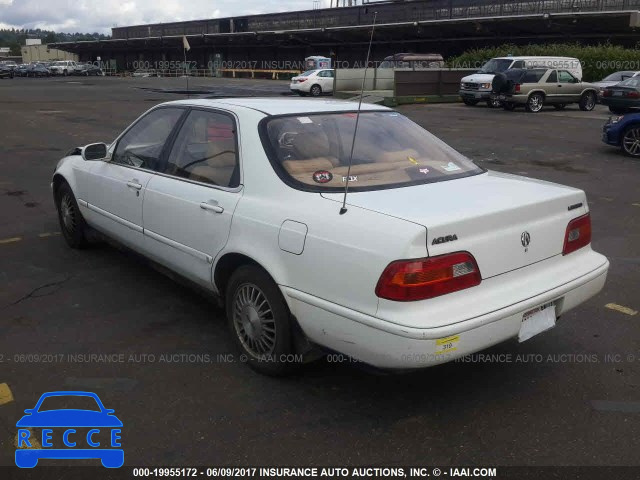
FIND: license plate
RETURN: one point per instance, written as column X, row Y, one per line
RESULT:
column 617, row 94
column 537, row 320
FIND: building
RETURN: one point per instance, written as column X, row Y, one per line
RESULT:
column 34, row 51
column 274, row 41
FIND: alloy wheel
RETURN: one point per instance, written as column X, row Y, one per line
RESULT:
column 631, row 141
column 68, row 213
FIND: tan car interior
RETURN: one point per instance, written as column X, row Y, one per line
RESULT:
column 312, row 152
column 207, row 153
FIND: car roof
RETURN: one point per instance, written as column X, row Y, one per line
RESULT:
column 279, row 106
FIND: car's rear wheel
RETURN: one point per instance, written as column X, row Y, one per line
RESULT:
column 588, row 101
column 618, row 110
column 72, row 222
column 316, row 90
column 631, row 141
column 535, row 103
column 560, row 106
column 259, row 320
column 470, row 102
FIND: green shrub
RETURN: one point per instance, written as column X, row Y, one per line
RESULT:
column 597, row 61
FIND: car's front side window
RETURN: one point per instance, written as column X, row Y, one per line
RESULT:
column 143, row 143
column 565, row 77
column 205, row 150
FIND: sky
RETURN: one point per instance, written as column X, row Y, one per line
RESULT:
column 86, row 16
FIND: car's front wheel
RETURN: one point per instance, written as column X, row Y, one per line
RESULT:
column 631, row 141
column 535, row 103
column 588, row 101
column 316, row 91
column 259, row 320
column 72, row 222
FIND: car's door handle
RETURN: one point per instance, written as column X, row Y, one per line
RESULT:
column 211, row 207
column 134, row 184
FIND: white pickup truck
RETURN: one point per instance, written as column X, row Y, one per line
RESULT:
column 63, row 67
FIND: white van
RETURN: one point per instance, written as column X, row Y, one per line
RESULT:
column 477, row 87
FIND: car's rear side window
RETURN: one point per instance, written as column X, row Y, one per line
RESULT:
column 312, row 151
column 533, row 76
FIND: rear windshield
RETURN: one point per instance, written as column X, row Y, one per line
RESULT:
column 311, row 152
column 631, row 82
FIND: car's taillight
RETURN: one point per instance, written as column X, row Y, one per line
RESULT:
column 607, row 93
column 578, row 234
column 302, row 80
column 517, row 87
column 419, row 279
column 632, row 95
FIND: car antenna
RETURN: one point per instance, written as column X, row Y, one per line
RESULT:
column 343, row 210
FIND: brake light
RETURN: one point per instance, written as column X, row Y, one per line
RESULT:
column 517, row 87
column 632, row 95
column 578, row 234
column 302, row 80
column 419, row 279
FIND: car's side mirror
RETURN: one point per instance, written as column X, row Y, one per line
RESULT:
column 95, row 151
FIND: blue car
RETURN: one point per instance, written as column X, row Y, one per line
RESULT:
column 623, row 132
column 66, row 419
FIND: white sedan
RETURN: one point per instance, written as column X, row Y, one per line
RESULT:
column 313, row 82
column 435, row 257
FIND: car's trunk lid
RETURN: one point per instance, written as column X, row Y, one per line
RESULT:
column 505, row 221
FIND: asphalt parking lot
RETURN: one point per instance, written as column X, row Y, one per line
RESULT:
column 163, row 360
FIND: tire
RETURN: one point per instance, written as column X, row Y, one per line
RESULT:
column 259, row 321
column 469, row 102
column 72, row 223
column 631, row 141
column 316, row 90
column 560, row 106
column 588, row 101
column 535, row 102
column 65, row 73
column 618, row 110
column 494, row 103
column 509, row 106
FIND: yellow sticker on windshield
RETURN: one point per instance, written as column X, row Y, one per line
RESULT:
column 413, row 160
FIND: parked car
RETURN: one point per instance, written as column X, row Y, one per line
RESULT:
column 313, row 82
column 622, row 97
column 62, row 67
column 38, row 70
column 535, row 88
column 398, row 279
column 623, row 132
column 615, row 78
column 478, row 87
column 88, row 69
column 6, row 71
column 21, row 70
column 8, row 63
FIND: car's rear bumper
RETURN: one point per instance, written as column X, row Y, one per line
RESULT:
column 390, row 344
column 619, row 102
